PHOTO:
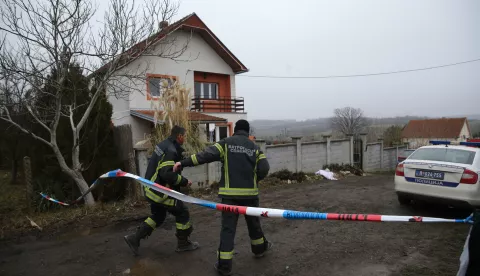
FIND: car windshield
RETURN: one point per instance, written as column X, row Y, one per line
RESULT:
column 444, row 155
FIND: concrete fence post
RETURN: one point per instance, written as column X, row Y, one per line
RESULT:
column 363, row 137
column 380, row 140
column 350, row 136
column 298, row 141
column 211, row 173
column 328, row 138
column 262, row 144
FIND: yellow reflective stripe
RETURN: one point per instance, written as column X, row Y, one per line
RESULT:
column 238, row 191
column 225, row 255
column 255, row 173
column 220, row 149
column 166, row 164
column 227, row 177
column 154, row 196
column 151, row 222
column 258, row 241
column 159, row 199
column 154, row 177
column 194, row 160
column 261, row 156
column 169, row 202
column 179, row 179
column 185, row 226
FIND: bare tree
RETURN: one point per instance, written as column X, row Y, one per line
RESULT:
column 44, row 36
column 349, row 120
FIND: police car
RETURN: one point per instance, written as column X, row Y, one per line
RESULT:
column 442, row 172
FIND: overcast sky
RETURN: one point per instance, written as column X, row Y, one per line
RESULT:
column 321, row 38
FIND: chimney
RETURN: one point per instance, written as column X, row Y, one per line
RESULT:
column 163, row 24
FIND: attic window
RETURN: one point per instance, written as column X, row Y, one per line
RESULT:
column 157, row 84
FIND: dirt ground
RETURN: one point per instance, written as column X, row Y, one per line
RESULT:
column 300, row 247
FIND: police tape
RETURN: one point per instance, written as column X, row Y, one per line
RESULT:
column 260, row 212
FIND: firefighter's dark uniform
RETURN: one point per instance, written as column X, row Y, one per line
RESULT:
column 243, row 165
column 160, row 171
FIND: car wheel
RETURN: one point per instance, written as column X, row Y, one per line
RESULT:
column 403, row 200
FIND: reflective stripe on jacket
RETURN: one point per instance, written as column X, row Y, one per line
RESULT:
column 243, row 165
column 160, row 170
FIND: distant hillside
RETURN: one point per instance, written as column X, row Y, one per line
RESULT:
column 315, row 127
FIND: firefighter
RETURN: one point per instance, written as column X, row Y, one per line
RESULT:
column 243, row 165
column 160, row 171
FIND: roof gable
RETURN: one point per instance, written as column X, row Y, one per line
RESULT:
column 191, row 23
column 434, row 128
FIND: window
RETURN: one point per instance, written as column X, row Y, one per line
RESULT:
column 444, row 155
column 206, row 90
column 158, row 83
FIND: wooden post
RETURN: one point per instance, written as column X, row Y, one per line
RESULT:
column 124, row 145
column 27, row 167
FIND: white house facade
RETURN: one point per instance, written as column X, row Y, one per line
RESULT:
column 205, row 66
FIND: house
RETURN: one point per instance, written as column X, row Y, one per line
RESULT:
column 418, row 133
column 207, row 68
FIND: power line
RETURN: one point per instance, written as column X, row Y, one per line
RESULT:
column 362, row 75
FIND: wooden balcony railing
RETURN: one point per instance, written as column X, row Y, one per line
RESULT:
column 224, row 104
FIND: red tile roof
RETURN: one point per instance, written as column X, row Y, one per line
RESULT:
column 434, row 128
column 192, row 23
column 194, row 116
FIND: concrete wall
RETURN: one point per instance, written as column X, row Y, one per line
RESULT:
column 282, row 157
column 314, row 156
column 309, row 158
column 379, row 158
column 373, row 157
column 340, row 152
column 390, row 156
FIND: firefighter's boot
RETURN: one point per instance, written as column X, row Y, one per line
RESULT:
column 184, row 243
column 133, row 240
column 222, row 270
column 268, row 247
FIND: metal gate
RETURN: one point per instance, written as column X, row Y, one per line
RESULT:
column 357, row 153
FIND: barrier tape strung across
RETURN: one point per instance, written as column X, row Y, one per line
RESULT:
column 262, row 212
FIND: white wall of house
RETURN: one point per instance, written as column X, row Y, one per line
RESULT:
column 199, row 56
column 140, row 129
column 120, row 111
column 464, row 134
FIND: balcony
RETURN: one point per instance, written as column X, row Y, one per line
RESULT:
column 219, row 105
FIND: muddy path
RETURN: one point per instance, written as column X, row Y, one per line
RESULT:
column 300, row 247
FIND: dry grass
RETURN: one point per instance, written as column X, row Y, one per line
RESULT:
column 173, row 108
column 14, row 221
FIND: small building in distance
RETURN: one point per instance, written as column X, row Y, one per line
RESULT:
column 418, row 133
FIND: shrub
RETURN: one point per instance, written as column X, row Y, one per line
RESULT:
column 343, row 167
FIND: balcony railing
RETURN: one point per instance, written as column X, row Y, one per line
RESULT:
column 224, row 104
